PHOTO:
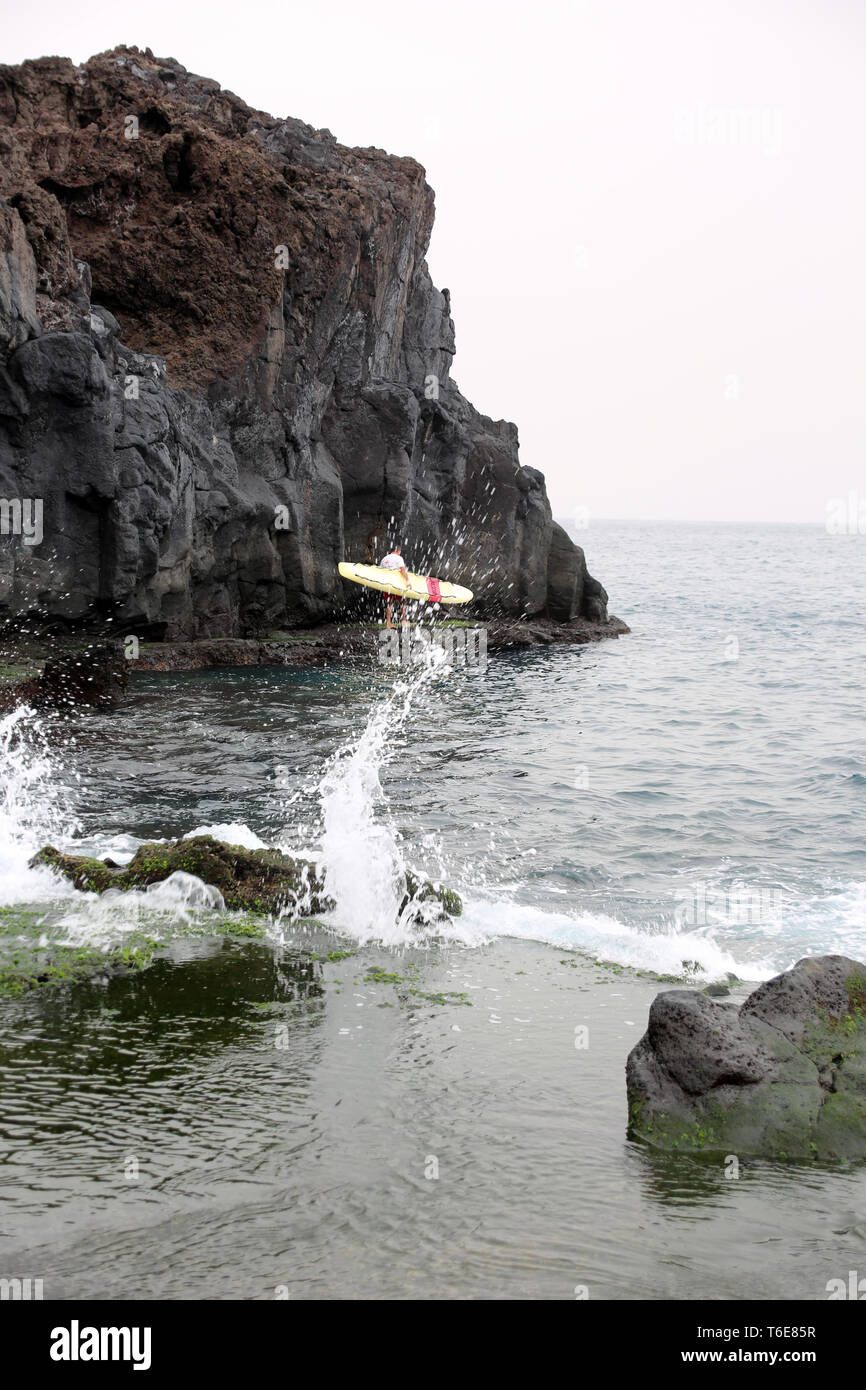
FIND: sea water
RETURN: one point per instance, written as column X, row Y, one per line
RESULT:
column 414, row 1117
column 693, row 791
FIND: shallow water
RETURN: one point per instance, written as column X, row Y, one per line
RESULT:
column 691, row 793
column 377, row 1151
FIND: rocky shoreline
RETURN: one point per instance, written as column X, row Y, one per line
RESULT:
column 262, row 881
column 67, row 673
column 346, row 641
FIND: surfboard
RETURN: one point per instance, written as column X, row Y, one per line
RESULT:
column 421, row 587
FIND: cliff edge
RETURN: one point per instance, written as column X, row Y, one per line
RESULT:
column 224, row 368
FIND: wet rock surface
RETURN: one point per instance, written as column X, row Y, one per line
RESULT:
column 256, row 880
column 340, row 641
column 783, row 1076
column 263, row 881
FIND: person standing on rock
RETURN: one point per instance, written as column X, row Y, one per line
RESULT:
column 395, row 561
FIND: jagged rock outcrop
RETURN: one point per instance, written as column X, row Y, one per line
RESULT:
column 784, row 1076
column 224, row 367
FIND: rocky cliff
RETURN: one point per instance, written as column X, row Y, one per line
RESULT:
column 224, row 367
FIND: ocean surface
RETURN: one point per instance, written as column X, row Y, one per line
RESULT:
column 695, row 790
column 688, row 799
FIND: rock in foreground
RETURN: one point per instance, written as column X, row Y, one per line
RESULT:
column 784, row 1076
column 250, row 880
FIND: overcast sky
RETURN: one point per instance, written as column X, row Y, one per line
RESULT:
column 650, row 215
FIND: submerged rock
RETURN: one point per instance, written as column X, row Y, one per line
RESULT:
column 784, row 1076
column 251, row 880
column 32, row 957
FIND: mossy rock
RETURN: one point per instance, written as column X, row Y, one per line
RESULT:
column 250, row 880
column 783, row 1077
column 423, row 890
column 262, row 881
column 841, row 1124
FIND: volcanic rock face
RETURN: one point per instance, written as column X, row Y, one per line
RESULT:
column 300, row 409
column 784, row 1076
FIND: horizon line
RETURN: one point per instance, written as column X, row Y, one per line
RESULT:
column 686, row 521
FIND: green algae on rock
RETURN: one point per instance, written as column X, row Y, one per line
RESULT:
column 782, row 1077
column 264, row 881
column 423, row 890
column 252, row 880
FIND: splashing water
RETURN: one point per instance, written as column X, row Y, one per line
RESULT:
column 34, row 811
column 179, row 901
column 365, row 872
column 357, row 841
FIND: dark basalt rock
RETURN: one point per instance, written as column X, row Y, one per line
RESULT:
column 252, row 880
column 96, row 675
column 784, row 1076
column 421, row 893
column 224, row 368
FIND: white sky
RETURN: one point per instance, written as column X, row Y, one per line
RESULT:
column 650, row 214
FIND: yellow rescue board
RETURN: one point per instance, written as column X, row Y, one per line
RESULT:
column 392, row 582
